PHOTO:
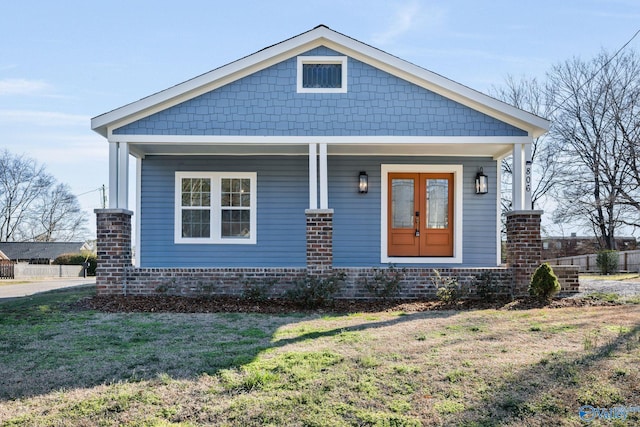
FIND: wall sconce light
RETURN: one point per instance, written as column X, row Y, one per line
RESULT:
column 482, row 183
column 363, row 182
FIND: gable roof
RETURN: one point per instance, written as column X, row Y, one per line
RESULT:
column 38, row 250
column 319, row 36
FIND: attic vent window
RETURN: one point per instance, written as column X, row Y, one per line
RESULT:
column 322, row 74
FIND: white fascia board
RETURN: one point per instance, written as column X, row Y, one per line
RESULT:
column 303, row 140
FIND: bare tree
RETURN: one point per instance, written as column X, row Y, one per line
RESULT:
column 591, row 101
column 57, row 216
column 22, row 181
column 32, row 205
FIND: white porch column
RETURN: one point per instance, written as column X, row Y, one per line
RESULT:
column 113, row 175
column 324, row 180
column 123, row 176
column 313, row 176
column 521, row 191
column 527, row 177
column 118, row 175
column 518, row 172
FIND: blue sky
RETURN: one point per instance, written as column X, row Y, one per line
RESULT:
column 63, row 62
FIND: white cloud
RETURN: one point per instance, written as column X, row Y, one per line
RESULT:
column 22, row 87
column 43, row 118
column 409, row 16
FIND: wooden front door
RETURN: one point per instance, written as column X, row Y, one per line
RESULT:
column 420, row 216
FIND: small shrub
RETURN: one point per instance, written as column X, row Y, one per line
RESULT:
column 79, row 259
column 447, row 288
column 257, row 291
column 544, row 283
column 607, row 262
column 486, row 289
column 385, row 283
column 314, row 292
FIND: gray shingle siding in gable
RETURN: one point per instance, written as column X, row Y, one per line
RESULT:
column 282, row 200
column 266, row 103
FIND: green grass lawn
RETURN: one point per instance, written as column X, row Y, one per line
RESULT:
column 63, row 367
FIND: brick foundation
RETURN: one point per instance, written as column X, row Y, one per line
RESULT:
column 524, row 247
column 319, row 242
column 113, row 250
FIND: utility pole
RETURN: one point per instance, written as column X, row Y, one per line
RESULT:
column 104, row 197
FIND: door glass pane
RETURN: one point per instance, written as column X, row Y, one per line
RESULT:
column 437, row 203
column 402, row 194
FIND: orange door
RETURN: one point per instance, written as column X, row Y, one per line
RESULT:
column 420, row 216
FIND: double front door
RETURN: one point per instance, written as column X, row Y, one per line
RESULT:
column 420, row 214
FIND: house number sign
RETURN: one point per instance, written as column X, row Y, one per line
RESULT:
column 527, row 177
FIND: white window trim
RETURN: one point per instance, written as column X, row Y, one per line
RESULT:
column 216, row 208
column 322, row 60
column 457, row 213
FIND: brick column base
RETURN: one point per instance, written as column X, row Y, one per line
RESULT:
column 319, row 242
column 524, row 247
column 114, row 250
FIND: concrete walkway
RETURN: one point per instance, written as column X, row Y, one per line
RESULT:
column 21, row 288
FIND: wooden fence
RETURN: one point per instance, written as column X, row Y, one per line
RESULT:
column 6, row 269
column 627, row 261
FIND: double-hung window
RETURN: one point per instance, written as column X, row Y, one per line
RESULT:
column 215, row 207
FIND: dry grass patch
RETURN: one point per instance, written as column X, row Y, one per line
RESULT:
column 471, row 368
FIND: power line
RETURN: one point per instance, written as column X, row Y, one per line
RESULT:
column 598, row 71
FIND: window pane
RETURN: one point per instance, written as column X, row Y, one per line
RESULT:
column 437, row 203
column 196, row 223
column 322, row 75
column 402, row 203
column 226, row 185
column 236, row 223
column 196, row 191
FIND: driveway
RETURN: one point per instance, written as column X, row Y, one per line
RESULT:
column 627, row 288
column 21, row 288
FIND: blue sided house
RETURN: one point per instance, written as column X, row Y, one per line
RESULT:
column 316, row 155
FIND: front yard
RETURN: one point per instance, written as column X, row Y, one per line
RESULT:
column 64, row 366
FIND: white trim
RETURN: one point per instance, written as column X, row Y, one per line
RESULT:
column 123, row 175
column 526, row 177
column 517, row 181
column 320, row 36
column 301, row 60
column 313, row 176
column 498, row 212
column 215, row 208
column 324, row 180
column 304, row 140
column 138, row 258
column 113, row 175
column 457, row 171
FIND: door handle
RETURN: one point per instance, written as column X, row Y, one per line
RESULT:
column 417, row 234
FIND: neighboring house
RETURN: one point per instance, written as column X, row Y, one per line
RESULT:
column 562, row 246
column 38, row 252
column 317, row 155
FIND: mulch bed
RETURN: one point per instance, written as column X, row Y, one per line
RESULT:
column 174, row 304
